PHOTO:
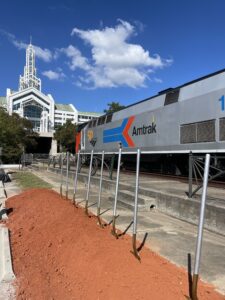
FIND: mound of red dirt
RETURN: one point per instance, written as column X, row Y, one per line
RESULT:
column 60, row 253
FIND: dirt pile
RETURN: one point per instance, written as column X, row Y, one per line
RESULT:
column 60, row 253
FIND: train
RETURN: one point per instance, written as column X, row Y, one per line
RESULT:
column 166, row 127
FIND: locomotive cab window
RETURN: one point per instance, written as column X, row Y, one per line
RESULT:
column 108, row 118
column 172, row 97
column 101, row 120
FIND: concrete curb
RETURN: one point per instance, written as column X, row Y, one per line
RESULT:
column 3, row 211
column 7, row 277
column 6, row 271
column 3, row 215
column 2, row 190
column 11, row 166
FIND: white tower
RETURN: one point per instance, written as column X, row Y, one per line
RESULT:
column 29, row 78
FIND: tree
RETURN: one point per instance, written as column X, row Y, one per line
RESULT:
column 16, row 135
column 113, row 107
column 65, row 136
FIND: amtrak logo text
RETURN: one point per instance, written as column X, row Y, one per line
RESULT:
column 144, row 129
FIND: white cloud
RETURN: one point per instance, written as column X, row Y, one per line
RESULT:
column 18, row 44
column 157, row 80
column 139, row 25
column 107, row 37
column 77, row 60
column 52, row 75
column 127, row 76
column 44, row 54
column 114, row 61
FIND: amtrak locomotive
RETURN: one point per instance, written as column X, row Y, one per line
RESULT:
column 172, row 123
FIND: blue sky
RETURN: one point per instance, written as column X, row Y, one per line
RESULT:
column 93, row 52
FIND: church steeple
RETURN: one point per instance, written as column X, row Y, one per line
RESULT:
column 29, row 78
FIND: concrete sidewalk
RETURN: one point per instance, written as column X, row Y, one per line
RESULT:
column 7, row 276
column 171, row 238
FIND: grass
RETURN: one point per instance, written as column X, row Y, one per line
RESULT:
column 27, row 180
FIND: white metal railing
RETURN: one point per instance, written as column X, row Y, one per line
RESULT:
column 135, row 250
column 158, row 152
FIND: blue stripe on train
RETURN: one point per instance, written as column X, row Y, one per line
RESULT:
column 115, row 138
column 116, row 130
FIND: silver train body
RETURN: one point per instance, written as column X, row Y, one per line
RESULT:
column 188, row 118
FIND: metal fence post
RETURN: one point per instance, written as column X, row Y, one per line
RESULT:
column 100, row 190
column 135, row 251
column 190, row 175
column 89, row 180
column 200, row 229
column 75, row 178
column 67, row 172
column 116, row 195
column 61, row 175
column 23, row 163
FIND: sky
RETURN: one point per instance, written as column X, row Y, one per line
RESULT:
column 92, row 52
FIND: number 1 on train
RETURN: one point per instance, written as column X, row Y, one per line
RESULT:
column 222, row 102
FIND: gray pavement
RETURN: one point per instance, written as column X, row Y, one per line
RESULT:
column 170, row 237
